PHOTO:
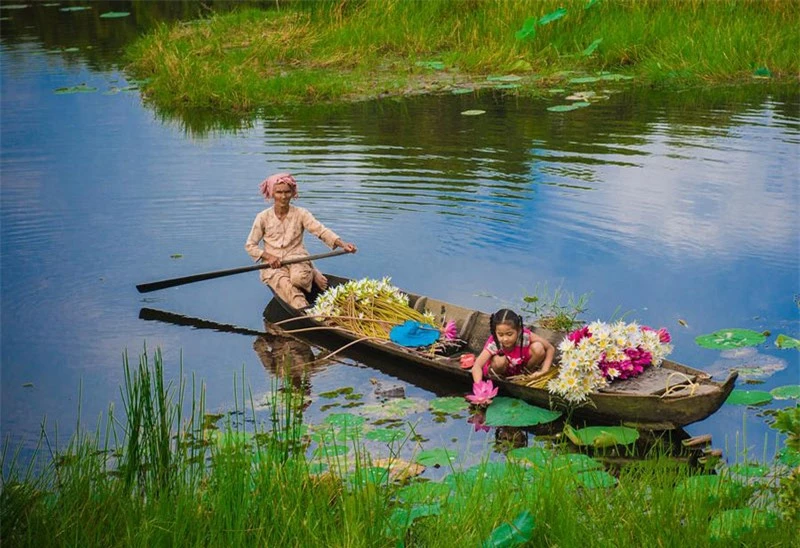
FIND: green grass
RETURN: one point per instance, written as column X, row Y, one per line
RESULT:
column 359, row 49
column 159, row 478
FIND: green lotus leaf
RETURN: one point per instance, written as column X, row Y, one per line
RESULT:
column 711, row 488
column 515, row 533
column 731, row 524
column 507, row 86
column 372, row 475
column 114, row 14
column 592, row 47
column 595, row 479
column 615, row 77
column 505, row 411
column 788, row 392
column 473, row 112
column 751, row 470
column 435, row 65
column 231, row 438
column 602, row 436
column 386, row 435
column 790, row 457
column 528, row 29
column 730, row 338
column 576, row 462
column 449, row 405
column 748, row 397
column 331, row 450
column 784, row 341
column 344, row 420
column 402, row 518
column 80, row 88
column 396, row 407
column 461, row 91
column 553, row 16
column 584, row 80
column 762, row 72
column 435, row 457
column 566, row 108
column 13, row 6
column 535, row 455
column 505, row 78
column 485, row 473
column 423, row 492
column 76, row 8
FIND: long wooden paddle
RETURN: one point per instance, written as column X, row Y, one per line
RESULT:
column 163, row 284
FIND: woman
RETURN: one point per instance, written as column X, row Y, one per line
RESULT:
column 280, row 229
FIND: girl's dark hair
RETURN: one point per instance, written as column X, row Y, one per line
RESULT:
column 504, row 315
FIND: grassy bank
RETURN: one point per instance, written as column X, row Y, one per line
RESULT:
column 336, row 50
column 157, row 478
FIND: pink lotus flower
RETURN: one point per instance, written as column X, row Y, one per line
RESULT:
column 478, row 420
column 664, row 336
column 482, row 393
column 467, row 361
column 579, row 334
column 450, row 330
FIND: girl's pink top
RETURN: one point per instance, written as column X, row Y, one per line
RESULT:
column 517, row 356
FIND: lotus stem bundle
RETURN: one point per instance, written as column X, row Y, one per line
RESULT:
column 370, row 308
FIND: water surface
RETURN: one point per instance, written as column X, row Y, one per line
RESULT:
column 678, row 210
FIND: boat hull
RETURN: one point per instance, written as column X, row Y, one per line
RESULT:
column 688, row 395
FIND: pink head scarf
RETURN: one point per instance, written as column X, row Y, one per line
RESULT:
column 267, row 185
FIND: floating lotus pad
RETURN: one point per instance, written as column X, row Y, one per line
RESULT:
column 505, row 411
column 461, row 91
column 784, row 341
column 450, row 406
column 76, row 8
column 567, row 108
column 345, row 420
column 602, row 436
column 386, row 435
column 435, row 457
column 80, row 88
column 748, row 397
column 506, row 78
column 487, row 473
column 435, row 65
column 788, row 392
column 331, row 450
column 730, row 338
column 507, row 86
column 731, row 524
column 474, row 112
column 373, row 475
column 114, row 14
column 13, row 6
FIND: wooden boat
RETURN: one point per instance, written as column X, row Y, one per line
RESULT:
column 661, row 398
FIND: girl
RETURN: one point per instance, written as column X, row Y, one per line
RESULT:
column 512, row 349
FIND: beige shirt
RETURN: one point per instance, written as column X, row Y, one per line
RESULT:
column 284, row 238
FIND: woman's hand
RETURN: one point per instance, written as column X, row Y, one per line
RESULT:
column 347, row 246
column 271, row 260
